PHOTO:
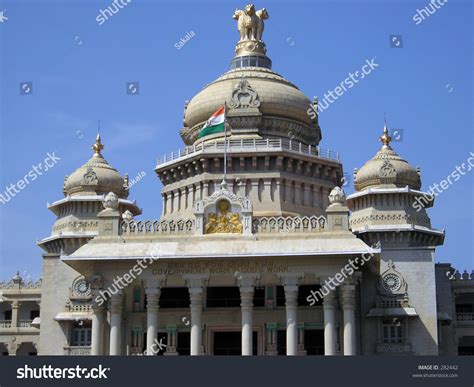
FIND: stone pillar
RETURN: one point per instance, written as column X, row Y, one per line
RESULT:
column 348, row 306
column 165, row 203
column 246, row 295
column 247, row 283
column 288, row 197
column 301, row 350
column 176, row 199
column 171, row 342
column 116, row 324
column 267, row 191
column 247, row 320
column 153, row 297
column 97, row 336
column 329, row 305
column 290, row 282
column 15, row 314
column 271, row 340
column 195, row 284
column 306, row 195
column 291, row 295
column 195, row 294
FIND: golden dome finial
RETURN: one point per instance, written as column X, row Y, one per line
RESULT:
column 98, row 146
column 385, row 137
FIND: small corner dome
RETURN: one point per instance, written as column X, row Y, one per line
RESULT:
column 96, row 177
column 387, row 169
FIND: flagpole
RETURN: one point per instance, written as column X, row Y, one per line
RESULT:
column 225, row 142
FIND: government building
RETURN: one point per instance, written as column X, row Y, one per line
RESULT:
column 258, row 250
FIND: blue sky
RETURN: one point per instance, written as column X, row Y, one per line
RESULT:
column 79, row 70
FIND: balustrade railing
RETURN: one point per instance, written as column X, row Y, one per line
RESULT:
column 151, row 227
column 282, row 224
column 252, row 145
column 21, row 324
column 289, row 224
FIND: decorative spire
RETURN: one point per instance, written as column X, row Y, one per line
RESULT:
column 385, row 137
column 250, row 24
column 97, row 147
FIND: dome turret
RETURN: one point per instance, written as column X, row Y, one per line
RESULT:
column 96, row 176
column 386, row 170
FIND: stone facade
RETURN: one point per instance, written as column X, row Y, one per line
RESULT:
column 258, row 250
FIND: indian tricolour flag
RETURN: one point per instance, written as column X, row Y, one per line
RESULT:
column 215, row 123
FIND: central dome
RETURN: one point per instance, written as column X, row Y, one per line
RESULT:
column 280, row 100
column 280, row 110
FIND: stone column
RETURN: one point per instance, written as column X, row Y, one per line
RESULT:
column 271, row 339
column 195, row 284
column 291, row 295
column 176, row 201
column 97, row 337
column 267, row 191
column 171, row 342
column 290, row 282
column 205, row 192
column 246, row 296
column 329, row 305
column 165, row 203
column 301, row 350
column 15, row 314
column 116, row 324
column 195, row 294
column 152, row 297
column 348, row 306
column 247, row 283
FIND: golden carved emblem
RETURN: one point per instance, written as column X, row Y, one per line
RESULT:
column 223, row 222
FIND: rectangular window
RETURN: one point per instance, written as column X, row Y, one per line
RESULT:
column 7, row 315
column 81, row 337
column 259, row 296
column 304, row 291
column 392, row 331
column 223, row 297
column 280, row 295
column 174, row 298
